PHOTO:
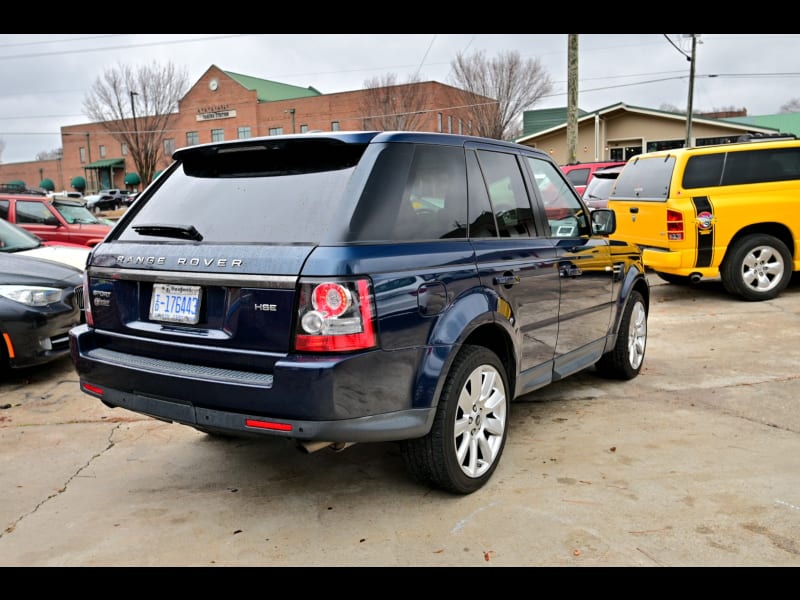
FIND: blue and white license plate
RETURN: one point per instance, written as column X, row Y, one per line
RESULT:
column 175, row 303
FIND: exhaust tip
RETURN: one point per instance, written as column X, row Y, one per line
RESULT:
column 309, row 447
column 695, row 277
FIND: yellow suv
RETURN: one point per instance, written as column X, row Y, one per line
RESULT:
column 730, row 211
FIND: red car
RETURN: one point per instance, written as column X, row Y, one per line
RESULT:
column 580, row 174
column 52, row 219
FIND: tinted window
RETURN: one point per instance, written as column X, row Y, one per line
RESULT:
column 414, row 192
column 261, row 192
column 703, row 171
column 578, row 176
column 645, row 179
column 757, row 166
column 507, row 193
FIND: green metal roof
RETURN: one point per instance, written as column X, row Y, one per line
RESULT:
column 783, row 122
column 534, row 121
column 269, row 91
column 106, row 163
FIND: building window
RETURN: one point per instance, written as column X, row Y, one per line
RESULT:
column 124, row 149
column 243, row 132
column 82, row 152
column 449, row 123
column 366, row 124
column 217, row 135
column 439, row 122
column 102, row 151
column 334, row 125
column 303, row 128
column 169, row 146
column 460, row 127
column 192, row 138
column 661, row 145
column 276, row 131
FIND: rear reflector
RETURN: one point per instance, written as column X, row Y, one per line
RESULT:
column 268, row 425
column 93, row 389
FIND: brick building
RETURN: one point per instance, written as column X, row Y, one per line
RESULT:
column 223, row 105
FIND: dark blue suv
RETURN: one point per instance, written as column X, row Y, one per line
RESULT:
column 347, row 287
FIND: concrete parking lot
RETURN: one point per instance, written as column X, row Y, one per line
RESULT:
column 694, row 463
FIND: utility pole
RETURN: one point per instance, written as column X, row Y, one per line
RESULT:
column 572, row 98
column 691, row 59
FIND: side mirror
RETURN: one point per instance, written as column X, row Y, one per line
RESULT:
column 604, row 221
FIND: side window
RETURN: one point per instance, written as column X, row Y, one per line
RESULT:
column 703, row 171
column 34, row 212
column 434, row 202
column 758, row 166
column 566, row 216
column 4, row 209
column 578, row 176
column 481, row 218
column 507, row 193
column 414, row 192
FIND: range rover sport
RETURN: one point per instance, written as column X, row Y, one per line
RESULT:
column 346, row 287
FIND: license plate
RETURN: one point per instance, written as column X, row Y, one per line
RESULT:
column 175, row 303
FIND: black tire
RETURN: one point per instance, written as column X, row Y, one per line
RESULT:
column 758, row 267
column 465, row 443
column 675, row 279
column 625, row 360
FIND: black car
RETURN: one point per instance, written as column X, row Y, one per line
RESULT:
column 348, row 287
column 39, row 304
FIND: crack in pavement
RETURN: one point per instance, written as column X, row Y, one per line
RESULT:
column 62, row 489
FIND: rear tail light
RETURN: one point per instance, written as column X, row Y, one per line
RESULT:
column 86, row 300
column 675, row 230
column 335, row 315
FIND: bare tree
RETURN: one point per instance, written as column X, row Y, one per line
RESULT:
column 514, row 84
column 791, row 106
column 49, row 154
column 666, row 107
column 137, row 106
column 389, row 106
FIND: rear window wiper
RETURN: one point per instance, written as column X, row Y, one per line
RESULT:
column 183, row 232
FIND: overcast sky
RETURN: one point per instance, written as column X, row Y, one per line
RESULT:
column 46, row 77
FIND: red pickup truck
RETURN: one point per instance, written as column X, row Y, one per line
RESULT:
column 53, row 219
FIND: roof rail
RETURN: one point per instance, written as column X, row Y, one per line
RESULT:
column 755, row 137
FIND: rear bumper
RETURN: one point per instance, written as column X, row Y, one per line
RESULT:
column 385, row 427
column 335, row 399
column 675, row 262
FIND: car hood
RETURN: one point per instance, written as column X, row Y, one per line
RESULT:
column 74, row 256
column 28, row 270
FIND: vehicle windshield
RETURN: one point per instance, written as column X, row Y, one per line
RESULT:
column 16, row 239
column 76, row 213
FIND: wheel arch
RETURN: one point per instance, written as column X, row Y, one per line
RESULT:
column 776, row 230
column 471, row 320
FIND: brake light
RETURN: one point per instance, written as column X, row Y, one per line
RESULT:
column 335, row 316
column 675, row 229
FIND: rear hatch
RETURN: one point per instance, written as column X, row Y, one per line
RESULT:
column 639, row 200
column 209, row 258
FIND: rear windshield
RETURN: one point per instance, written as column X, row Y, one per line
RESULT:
column 275, row 192
column 645, row 179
